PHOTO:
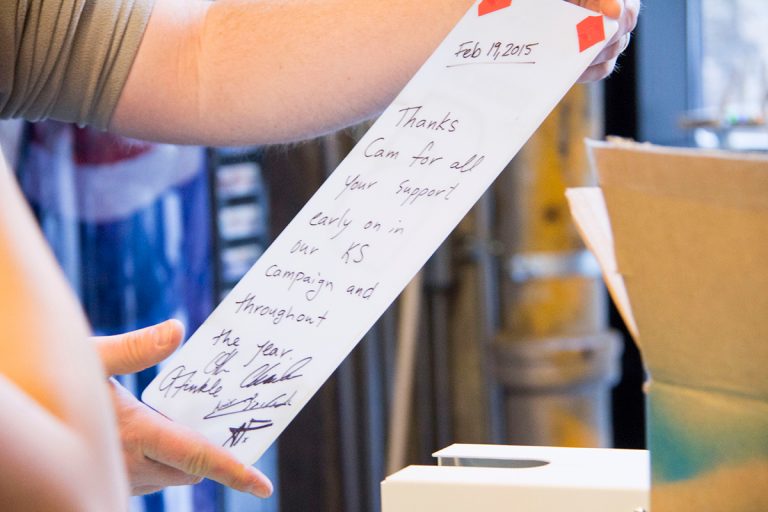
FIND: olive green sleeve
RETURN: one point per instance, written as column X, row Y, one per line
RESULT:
column 67, row 59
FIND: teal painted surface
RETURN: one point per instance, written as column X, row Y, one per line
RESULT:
column 676, row 452
column 692, row 433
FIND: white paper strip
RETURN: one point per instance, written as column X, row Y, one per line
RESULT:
column 282, row 331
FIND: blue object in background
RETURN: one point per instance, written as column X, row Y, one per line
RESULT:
column 130, row 224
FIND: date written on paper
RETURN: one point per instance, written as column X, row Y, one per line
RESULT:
column 494, row 52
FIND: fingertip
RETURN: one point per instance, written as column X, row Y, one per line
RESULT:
column 255, row 482
column 172, row 332
column 611, row 8
column 262, row 488
column 176, row 326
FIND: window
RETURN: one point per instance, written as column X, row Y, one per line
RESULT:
column 703, row 73
column 734, row 74
column 734, row 67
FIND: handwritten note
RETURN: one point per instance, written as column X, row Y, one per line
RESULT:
column 327, row 278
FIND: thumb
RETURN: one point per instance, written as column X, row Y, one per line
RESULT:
column 136, row 350
column 611, row 8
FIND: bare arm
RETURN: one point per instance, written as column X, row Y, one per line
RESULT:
column 58, row 440
column 247, row 71
column 275, row 70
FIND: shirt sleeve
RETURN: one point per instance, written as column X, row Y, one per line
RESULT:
column 67, row 59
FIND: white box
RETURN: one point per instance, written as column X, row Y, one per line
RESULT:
column 489, row 478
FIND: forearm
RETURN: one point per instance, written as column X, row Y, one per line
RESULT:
column 45, row 464
column 43, row 351
column 228, row 73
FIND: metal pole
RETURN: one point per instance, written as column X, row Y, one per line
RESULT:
column 554, row 356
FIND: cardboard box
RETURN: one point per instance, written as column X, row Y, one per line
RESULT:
column 682, row 237
column 491, row 478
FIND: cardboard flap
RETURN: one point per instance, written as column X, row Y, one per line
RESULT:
column 722, row 177
column 591, row 218
column 691, row 239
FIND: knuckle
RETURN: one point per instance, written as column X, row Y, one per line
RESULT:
column 197, row 462
column 625, row 45
column 633, row 11
column 610, row 62
column 133, row 349
column 604, row 69
column 610, row 55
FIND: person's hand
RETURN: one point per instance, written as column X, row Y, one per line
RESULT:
column 158, row 452
column 623, row 11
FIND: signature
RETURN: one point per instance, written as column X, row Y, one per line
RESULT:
column 234, row 406
column 179, row 379
column 217, row 364
column 237, row 434
column 269, row 373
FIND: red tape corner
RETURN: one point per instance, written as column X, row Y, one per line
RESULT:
column 489, row 6
column 591, row 31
